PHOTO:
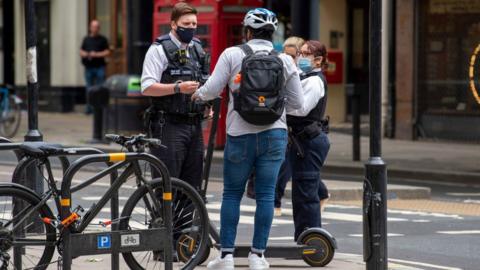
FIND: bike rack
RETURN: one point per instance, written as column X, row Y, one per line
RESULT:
column 17, row 177
column 118, row 241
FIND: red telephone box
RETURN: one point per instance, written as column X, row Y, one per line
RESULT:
column 219, row 27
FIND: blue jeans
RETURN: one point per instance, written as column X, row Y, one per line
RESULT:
column 283, row 177
column 265, row 151
column 94, row 76
column 307, row 187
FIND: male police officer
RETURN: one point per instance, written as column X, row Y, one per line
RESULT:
column 172, row 69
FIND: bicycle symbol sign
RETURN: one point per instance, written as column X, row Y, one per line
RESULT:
column 130, row 240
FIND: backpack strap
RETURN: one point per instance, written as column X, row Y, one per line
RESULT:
column 246, row 49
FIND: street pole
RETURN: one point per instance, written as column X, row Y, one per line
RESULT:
column 33, row 178
column 375, row 184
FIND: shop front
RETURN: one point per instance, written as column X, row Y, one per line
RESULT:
column 447, row 102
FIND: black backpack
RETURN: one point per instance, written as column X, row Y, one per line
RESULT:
column 261, row 97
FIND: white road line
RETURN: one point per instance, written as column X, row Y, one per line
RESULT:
column 460, row 232
column 462, row 194
column 342, row 206
column 389, row 235
column 472, row 201
column 425, row 214
column 421, row 220
column 281, row 238
column 424, row 264
column 326, row 215
column 249, row 219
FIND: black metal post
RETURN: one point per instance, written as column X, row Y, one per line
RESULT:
column 375, row 185
column 356, row 122
column 33, row 178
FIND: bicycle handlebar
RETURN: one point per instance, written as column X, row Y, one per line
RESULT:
column 135, row 140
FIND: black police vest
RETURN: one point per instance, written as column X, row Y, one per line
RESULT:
column 184, row 68
column 318, row 112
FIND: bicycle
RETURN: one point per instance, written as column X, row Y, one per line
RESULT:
column 10, row 112
column 16, row 235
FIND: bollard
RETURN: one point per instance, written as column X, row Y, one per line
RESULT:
column 375, row 184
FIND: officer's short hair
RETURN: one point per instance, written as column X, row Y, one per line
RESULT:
column 180, row 9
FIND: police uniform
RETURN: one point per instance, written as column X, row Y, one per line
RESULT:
column 307, row 153
column 175, row 119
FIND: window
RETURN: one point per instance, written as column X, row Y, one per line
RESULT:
column 448, row 37
column 110, row 14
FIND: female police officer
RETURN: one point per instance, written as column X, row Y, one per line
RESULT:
column 310, row 144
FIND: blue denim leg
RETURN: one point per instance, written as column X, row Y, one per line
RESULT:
column 89, row 77
column 100, row 75
column 265, row 151
column 283, row 177
column 306, row 183
column 270, row 155
column 239, row 157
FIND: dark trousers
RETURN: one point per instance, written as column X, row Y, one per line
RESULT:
column 184, row 153
column 283, row 177
column 306, row 182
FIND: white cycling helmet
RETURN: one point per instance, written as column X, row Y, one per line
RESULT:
column 259, row 18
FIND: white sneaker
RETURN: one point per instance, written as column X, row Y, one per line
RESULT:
column 257, row 263
column 222, row 264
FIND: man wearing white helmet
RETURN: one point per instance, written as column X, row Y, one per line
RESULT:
column 250, row 144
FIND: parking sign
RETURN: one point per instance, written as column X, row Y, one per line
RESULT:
column 104, row 241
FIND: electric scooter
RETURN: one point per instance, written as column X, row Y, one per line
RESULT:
column 316, row 246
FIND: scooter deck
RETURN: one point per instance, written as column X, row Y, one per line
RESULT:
column 275, row 250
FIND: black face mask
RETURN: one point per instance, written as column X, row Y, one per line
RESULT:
column 185, row 34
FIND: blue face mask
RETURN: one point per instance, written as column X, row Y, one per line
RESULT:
column 305, row 64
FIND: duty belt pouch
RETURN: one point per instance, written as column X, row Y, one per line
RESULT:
column 325, row 124
column 311, row 131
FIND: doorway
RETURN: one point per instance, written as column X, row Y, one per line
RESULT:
column 357, row 52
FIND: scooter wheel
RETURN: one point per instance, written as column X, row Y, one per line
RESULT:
column 185, row 247
column 319, row 251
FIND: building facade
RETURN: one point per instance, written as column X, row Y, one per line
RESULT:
column 437, row 69
column 433, row 89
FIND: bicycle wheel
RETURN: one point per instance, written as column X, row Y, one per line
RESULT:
column 190, row 225
column 31, row 244
column 10, row 118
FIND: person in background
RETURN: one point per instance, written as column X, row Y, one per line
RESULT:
column 93, row 52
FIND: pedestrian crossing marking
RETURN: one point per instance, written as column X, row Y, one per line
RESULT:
column 325, row 215
column 249, row 219
column 460, row 232
column 388, row 234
